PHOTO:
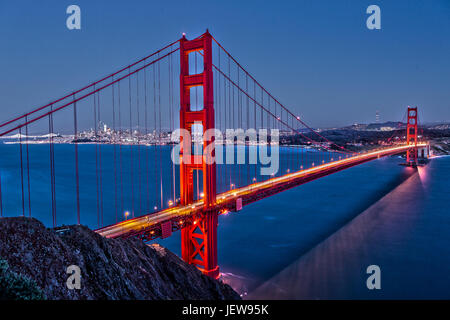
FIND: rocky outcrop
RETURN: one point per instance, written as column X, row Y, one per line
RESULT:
column 110, row 268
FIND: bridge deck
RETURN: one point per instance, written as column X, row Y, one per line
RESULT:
column 149, row 226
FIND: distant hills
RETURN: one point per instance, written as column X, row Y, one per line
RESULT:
column 393, row 125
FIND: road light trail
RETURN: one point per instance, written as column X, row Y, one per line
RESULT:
column 136, row 225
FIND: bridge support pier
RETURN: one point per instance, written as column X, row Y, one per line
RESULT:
column 199, row 244
column 199, row 239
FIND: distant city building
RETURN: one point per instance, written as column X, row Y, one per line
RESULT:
column 377, row 117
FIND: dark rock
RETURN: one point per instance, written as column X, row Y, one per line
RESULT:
column 110, row 268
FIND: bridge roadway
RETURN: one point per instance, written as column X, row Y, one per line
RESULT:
column 149, row 226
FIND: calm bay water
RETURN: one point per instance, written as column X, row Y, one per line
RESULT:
column 314, row 241
column 406, row 233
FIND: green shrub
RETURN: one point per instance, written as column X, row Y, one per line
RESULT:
column 14, row 286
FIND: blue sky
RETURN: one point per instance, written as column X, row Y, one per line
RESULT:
column 317, row 57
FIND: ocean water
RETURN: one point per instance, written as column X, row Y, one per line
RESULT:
column 314, row 241
column 137, row 179
column 317, row 240
column 405, row 233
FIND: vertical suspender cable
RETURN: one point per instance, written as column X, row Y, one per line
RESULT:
column 239, row 125
column 96, row 160
column 52, row 166
column 116, row 200
column 217, row 119
column 131, row 145
column 254, row 116
column 155, row 129
column 77, row 176
column 226, row 125
column 249, row 180
column 146, row 137
column 120, row 150
column 171, row 122
column 229, row 111
column 28, row 167
column 1, row 197
column 159, row 134
column 139, row 144
column 100, row 164
column 173, row 125
column 21, row 171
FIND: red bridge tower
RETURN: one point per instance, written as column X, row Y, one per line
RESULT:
column 411, row 136
column 199, row 239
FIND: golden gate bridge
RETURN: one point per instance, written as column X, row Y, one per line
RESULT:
column 196, row 86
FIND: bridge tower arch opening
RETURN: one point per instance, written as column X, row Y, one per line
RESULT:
column 199, row 238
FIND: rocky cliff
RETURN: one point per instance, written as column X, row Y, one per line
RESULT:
column 34, row 261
